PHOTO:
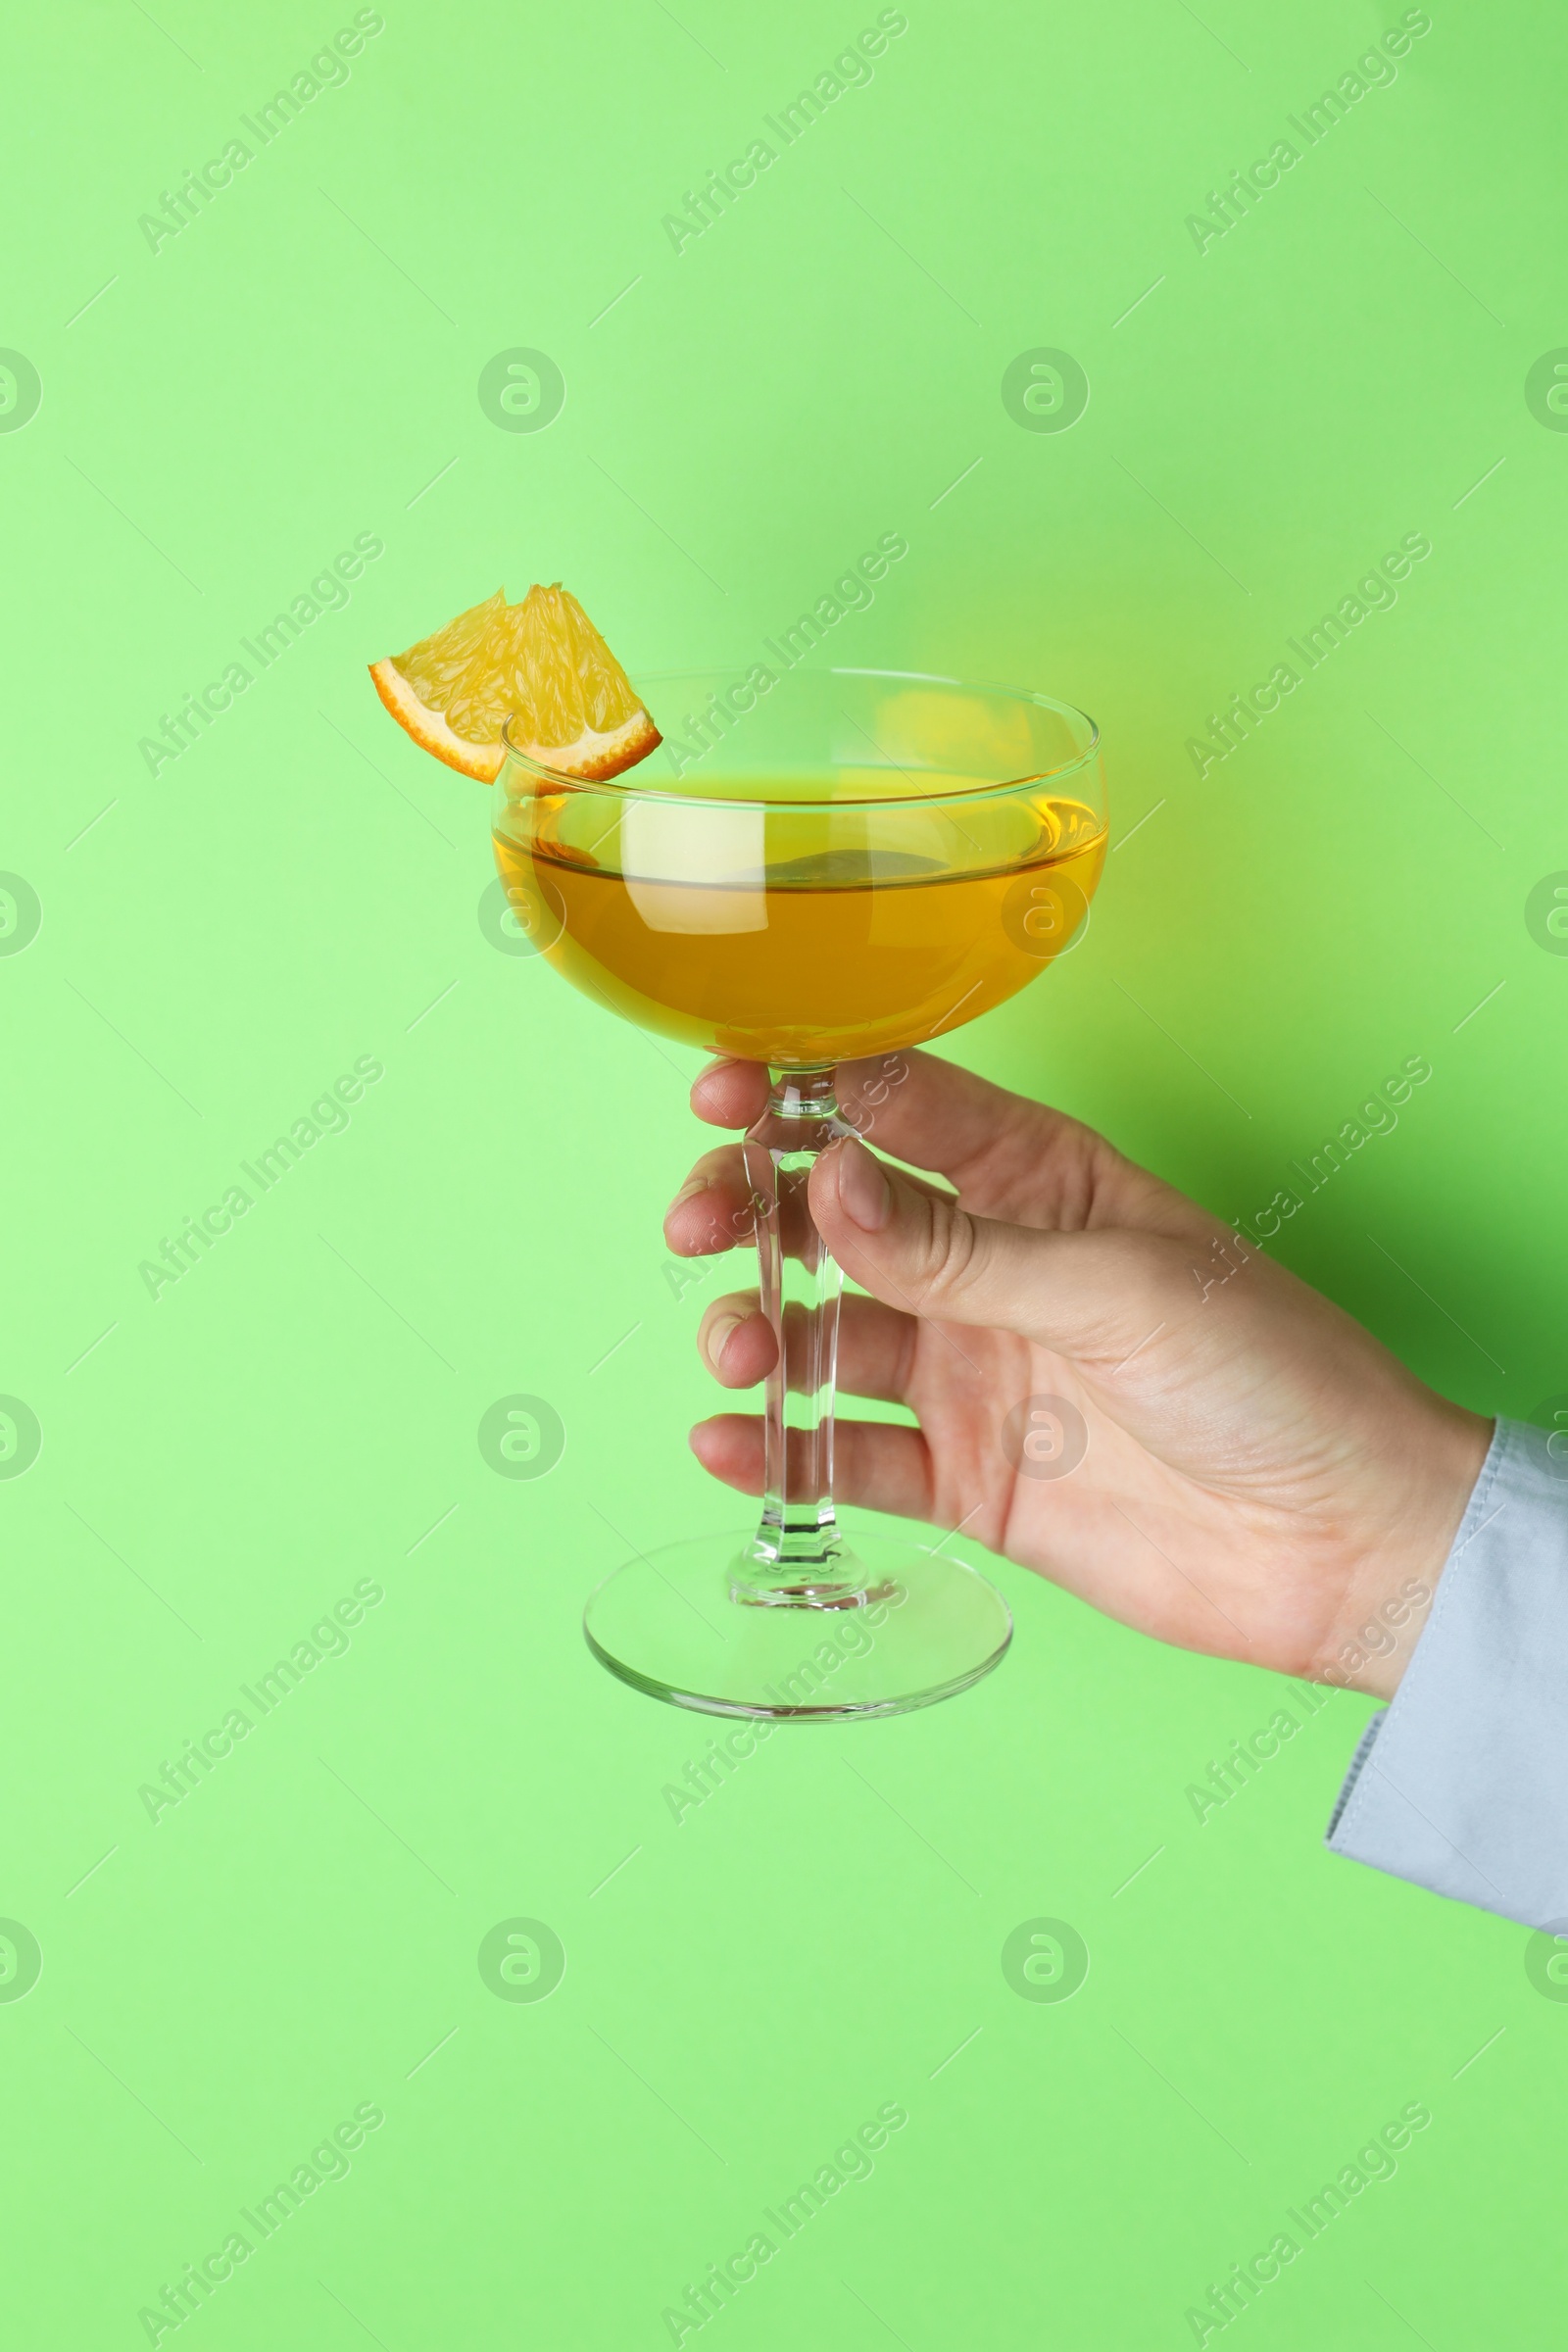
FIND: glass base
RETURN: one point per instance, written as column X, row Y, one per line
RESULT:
column 918, row 1628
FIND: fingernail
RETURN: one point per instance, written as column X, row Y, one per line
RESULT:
column 864, row 1190
column 718, row 1337
column 688, row 1191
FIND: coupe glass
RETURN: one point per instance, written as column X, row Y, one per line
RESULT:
column 815, row 868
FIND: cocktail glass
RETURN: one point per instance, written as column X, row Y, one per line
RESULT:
column 819, row 867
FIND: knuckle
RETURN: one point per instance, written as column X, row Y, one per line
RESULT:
column 735, row 1303
column 948, row 1257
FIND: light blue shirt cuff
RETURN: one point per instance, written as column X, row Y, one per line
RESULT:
column 1461, row 1785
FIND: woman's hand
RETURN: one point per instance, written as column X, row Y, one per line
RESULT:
column 1262, row 1478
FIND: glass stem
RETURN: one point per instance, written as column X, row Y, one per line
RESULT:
column 797, row 1555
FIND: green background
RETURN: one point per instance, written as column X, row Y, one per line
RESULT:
column 746, row 1986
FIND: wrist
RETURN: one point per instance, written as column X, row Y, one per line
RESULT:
column 1390, row 1595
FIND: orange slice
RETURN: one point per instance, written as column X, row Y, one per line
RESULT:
column 540, row 662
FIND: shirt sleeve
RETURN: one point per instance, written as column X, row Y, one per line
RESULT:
column 1461, row 1785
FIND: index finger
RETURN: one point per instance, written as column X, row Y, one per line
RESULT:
column 1006, row 1156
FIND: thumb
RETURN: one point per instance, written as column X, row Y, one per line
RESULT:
column 1092, row 1297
